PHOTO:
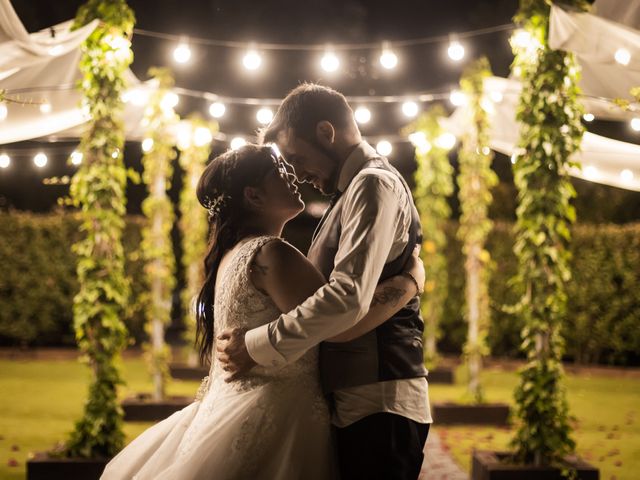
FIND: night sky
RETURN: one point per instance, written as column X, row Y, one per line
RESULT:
column 421, row 68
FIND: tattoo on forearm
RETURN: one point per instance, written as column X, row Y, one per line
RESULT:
column 261, row 269
column 388, row 295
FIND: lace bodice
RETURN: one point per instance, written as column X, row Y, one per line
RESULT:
column 238, row 303
column 272, row 424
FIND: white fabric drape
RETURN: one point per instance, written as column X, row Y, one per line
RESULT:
column 626, row 12
column 595, row 41
column 603, row 159
column 43, row 69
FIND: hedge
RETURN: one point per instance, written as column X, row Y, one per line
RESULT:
column 38, row 282
column 603, row 312
column 38, row 279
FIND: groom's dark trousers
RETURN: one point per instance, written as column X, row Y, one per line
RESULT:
column 381, row 446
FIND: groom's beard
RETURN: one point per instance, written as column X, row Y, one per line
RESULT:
column 331, row 185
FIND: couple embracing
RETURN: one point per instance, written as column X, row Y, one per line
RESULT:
column 316, row 362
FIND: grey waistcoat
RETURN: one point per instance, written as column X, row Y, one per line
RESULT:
column 394, row 350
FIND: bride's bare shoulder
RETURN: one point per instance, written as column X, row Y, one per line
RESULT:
column 281, row 271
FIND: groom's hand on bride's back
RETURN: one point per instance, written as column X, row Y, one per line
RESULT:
column 232, row 353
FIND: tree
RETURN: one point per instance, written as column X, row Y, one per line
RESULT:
column 98, row 188
column 157, row 248
column 433, row 184
column 550, row 133
column 475, row 181
column 194, row 153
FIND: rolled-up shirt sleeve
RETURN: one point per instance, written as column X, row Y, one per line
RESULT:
column 369, row 220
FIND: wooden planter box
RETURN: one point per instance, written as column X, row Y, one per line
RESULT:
column 44, row 467
column 488, row 465
column 441, row 375
column 183, row 371
column 142, row 408
column 496, row 414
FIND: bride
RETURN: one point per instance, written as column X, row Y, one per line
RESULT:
column 272, row 423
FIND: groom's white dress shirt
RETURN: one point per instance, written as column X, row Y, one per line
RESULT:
column 375, row 214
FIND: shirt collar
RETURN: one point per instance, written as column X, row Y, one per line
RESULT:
column 354, row 163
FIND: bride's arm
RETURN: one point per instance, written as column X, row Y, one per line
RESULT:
column 389, row 297
column 283, row 273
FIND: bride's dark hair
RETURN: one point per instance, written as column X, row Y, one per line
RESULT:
column 221, row 191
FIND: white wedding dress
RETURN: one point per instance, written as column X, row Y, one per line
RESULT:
column 271, row 424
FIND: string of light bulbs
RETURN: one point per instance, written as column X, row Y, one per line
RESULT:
column 330, row 61
column 322, row 46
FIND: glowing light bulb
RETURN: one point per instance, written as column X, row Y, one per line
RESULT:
column 4, row 111
column 588, row 117
column 362, row 115
column 217, row 109
column 419, row 140
column 182, row 53
column 384, row 148
column 455, row 51
column 252, row 60
column 121, row 47
column 635, row 124
column 330, row 62
column 622, row 56
column 264, row 116
column 40, row 160
column 522, row 39
column 626, row 175
column 5, row 161
column 169, row 101
column 446, row 141
column 496, row 96
column 410, row 109
column 486, row 150
column 202, row 136
column 238, row 142
column 457, row 98
column 76, row 157
column 147, row 144
column 388, row 59
column 45, row 107
column 590, row 172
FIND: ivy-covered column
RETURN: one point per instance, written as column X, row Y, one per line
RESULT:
column 98, row 188
column 433, row 184
column 475, row 182
column 550, row 133
column 193, row 222
column 157, row 248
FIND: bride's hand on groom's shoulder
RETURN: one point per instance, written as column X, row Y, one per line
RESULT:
column 232, row 353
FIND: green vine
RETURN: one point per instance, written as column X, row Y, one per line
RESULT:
column 157, row 248
column 475, row 181
column 98, row 188
column 433, row 184
column 549, row 114
column 193, row 224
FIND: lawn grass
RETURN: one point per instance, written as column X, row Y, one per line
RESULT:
column 607, row 427
column 40, row 400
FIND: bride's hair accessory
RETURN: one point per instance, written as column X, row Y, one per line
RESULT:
column 216, row 204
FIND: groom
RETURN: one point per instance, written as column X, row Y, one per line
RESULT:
column 377, row 382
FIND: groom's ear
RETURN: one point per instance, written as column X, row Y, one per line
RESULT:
column 253, row 198
column 325, row 133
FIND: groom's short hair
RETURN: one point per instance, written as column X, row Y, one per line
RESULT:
column 304, row 107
